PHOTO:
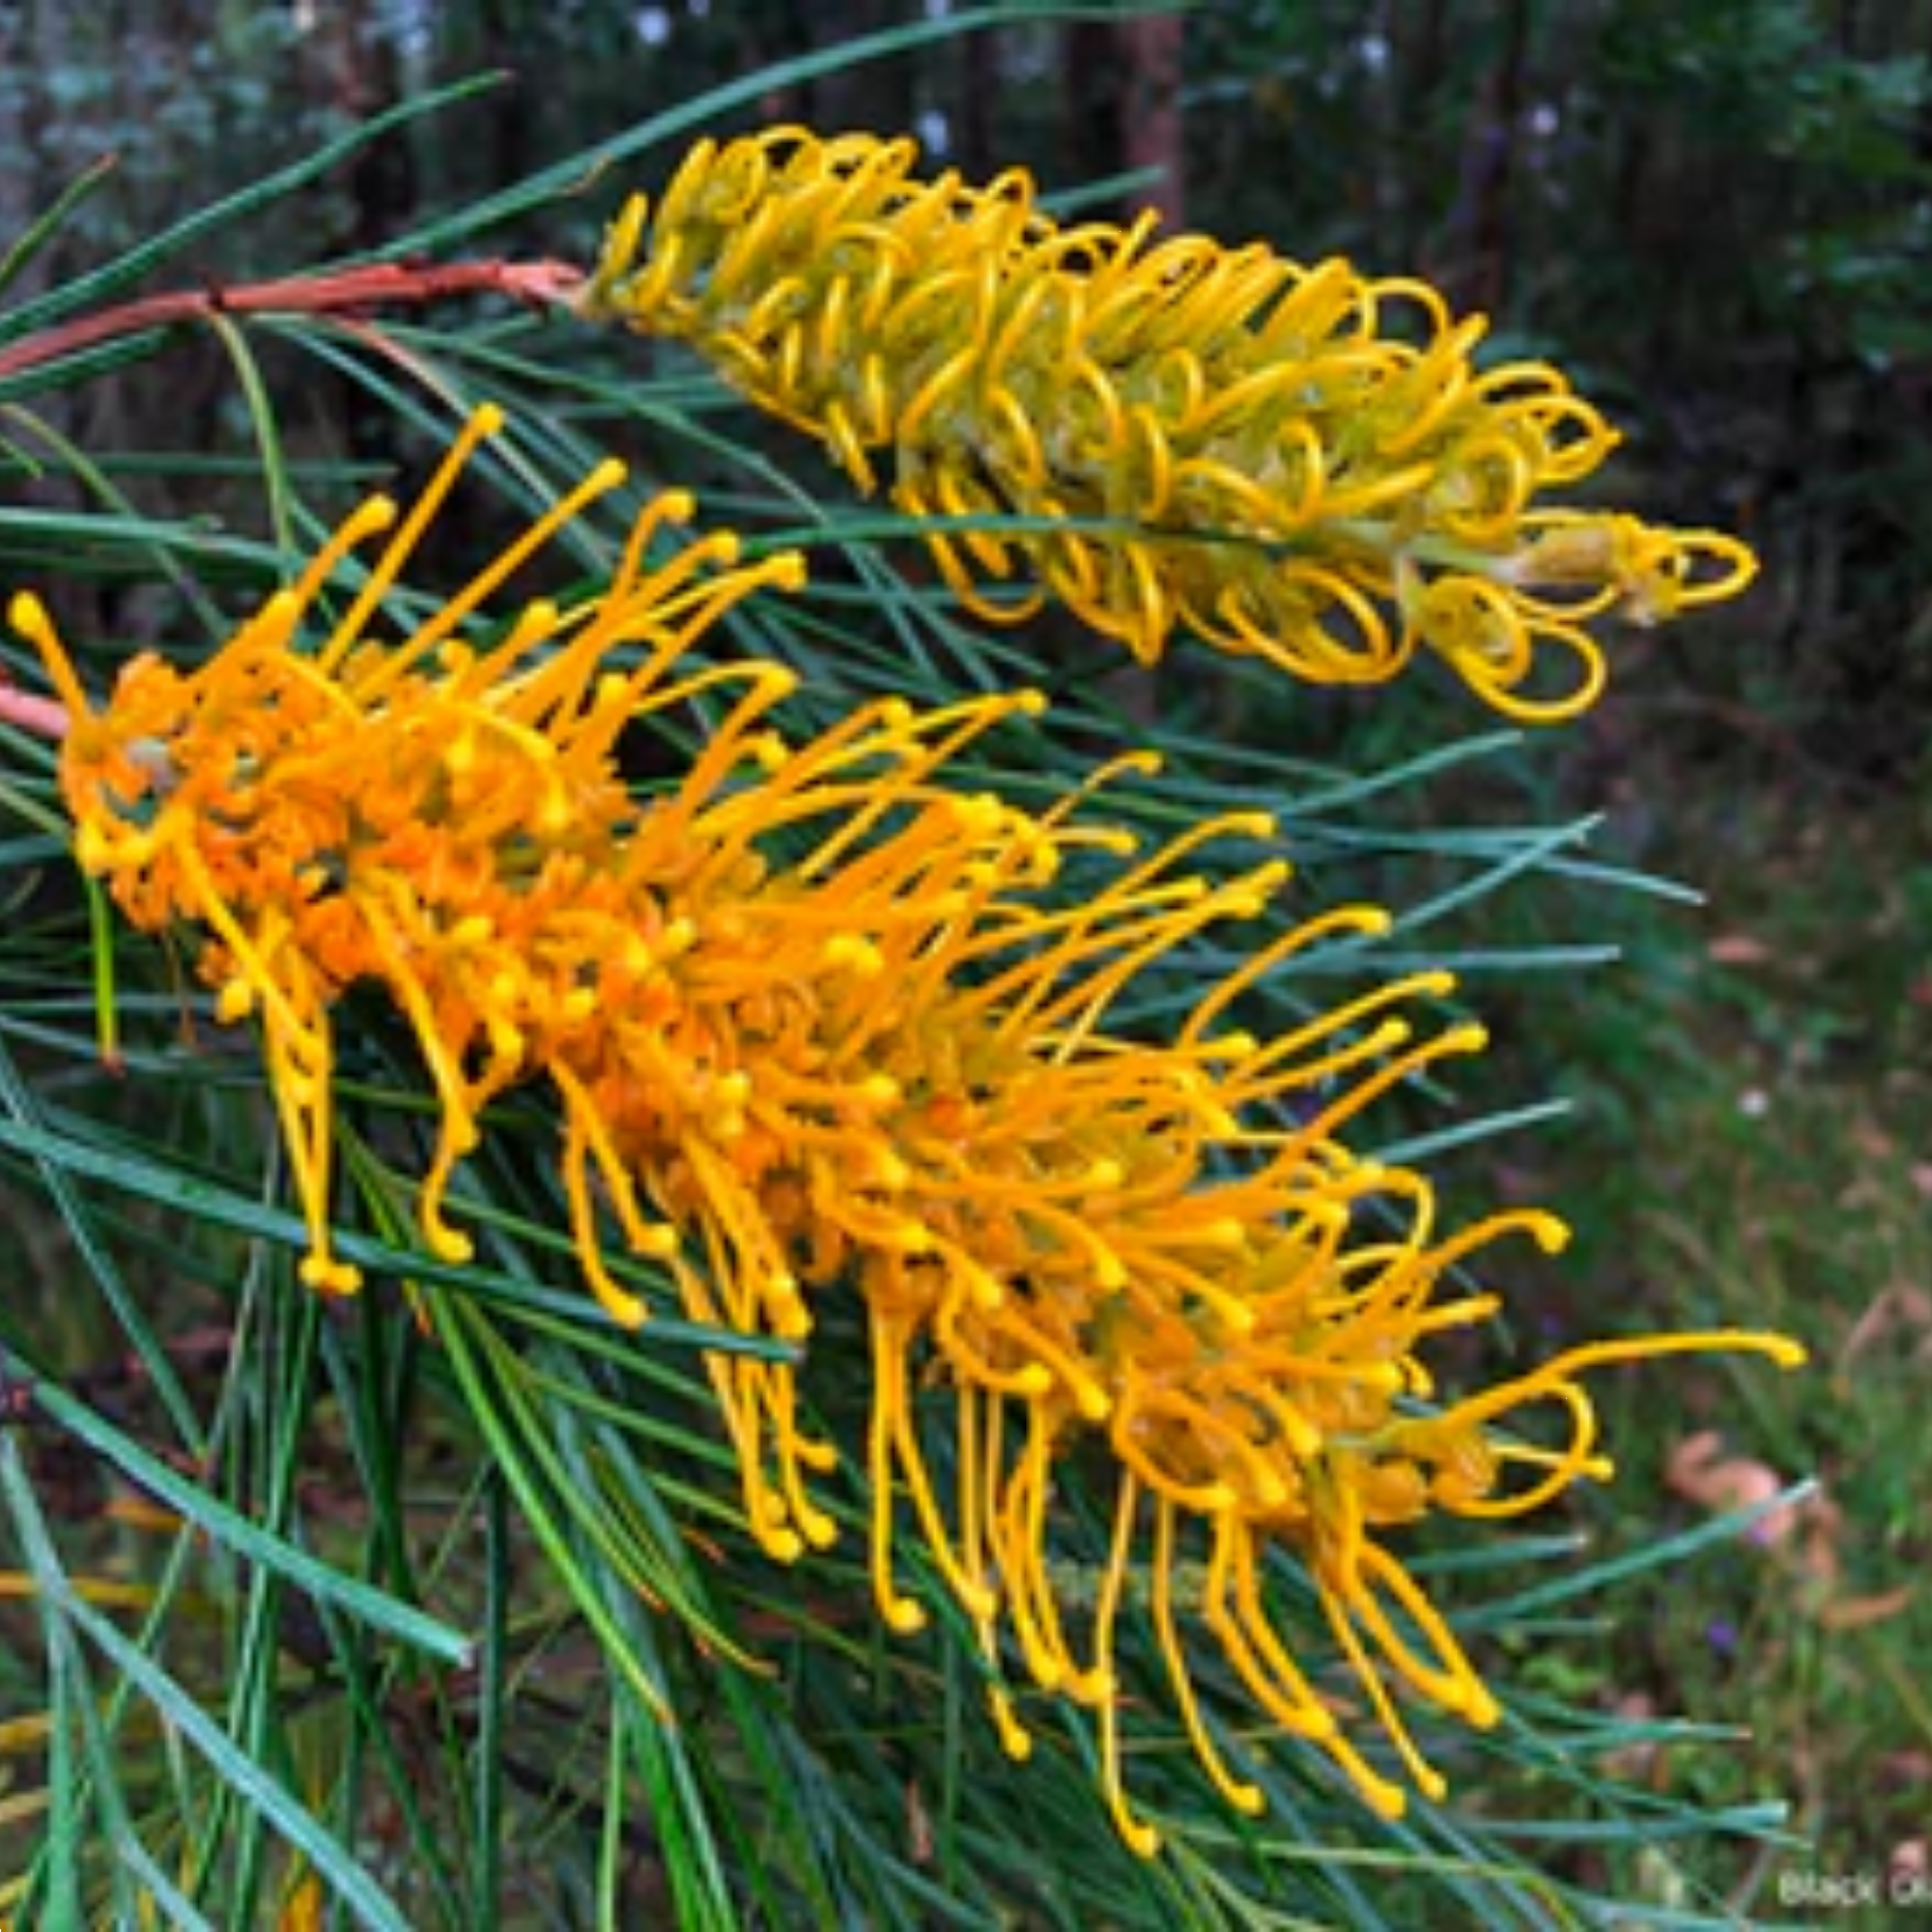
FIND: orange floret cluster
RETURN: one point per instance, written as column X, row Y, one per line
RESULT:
column 1297, row 463
column 819, row 1024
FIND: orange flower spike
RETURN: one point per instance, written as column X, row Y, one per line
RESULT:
column 881, row 1066
column 112, row 762
column 276, row 775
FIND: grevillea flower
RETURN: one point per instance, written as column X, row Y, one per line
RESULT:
column 822, row 1022
column 1297, row 463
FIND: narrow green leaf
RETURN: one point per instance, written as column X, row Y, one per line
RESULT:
column 338, row 1866
column 235, row 1533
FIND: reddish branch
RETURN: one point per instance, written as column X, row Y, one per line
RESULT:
column 353, row 290
column 42, row 716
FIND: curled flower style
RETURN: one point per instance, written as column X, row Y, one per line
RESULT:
column 823, row 1022
column 1298, row 462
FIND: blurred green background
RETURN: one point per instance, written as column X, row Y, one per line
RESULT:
column 1715, row 217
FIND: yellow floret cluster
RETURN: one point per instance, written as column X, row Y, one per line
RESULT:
column 1163, row 434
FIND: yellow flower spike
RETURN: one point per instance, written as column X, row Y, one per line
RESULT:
column 1016, row 1535
column 1447, row 1679
column 1231, row 1606
column 896, row 1610
column 425, row 642
column 29, row 616
column 894, row 1444
column 620, row 246
column 796, row 1453
column 378, row 515
column 1369, row 921
column 1402, row 1066
column 1554, row 1382
column 1422, row 1774
column 1015, row 1740
column 1244, row 1796
column 1217, row 440
column 1140, row 1837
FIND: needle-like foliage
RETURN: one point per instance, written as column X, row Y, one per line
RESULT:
column 666, row 1222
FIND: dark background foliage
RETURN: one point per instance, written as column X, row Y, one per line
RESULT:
column 1718, row 216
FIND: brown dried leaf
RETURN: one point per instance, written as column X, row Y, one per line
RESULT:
column 1900, row 1307
column 1861, row 1612
column 1699, row 1468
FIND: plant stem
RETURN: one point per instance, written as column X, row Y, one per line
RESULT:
column 43, row 717
column 378, row 284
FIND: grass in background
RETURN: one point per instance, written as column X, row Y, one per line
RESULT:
column 1753, row 1144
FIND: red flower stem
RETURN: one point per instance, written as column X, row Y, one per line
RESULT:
column 43, row 717
column 382, row 283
